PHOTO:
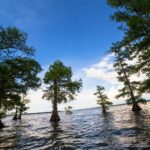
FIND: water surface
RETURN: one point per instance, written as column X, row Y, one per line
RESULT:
column 86, row 129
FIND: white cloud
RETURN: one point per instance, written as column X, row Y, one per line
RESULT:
column 103, row 70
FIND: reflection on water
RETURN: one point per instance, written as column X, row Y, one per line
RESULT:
column 87, row 129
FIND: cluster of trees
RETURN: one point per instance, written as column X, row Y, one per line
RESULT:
column 18, row 74
column 18, row 71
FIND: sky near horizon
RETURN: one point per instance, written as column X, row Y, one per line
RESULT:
column 78, row 32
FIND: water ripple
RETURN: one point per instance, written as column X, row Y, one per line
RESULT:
column 87, row 129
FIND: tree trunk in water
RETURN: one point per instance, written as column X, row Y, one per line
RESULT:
column 55, row 116
column 20, row 114
column 136, row 107
column 15, row 116
column 103, row 109
column 1, row 124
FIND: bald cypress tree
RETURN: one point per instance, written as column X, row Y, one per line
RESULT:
column 102, row 98
column 134, row 16
column 18, row 70
column 60, row 87
column 131, row 89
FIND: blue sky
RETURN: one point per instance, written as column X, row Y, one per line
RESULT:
column 78, row 32
column 70, row 30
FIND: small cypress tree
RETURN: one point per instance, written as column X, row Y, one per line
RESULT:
column 102, row 98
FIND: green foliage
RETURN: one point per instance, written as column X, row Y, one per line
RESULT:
column 2, row 114
column 18, row 71
column 13, row 43
column 20, row 106
column 102, row 98
column 133, row 17
column 17, row 76
column 131, row 89
column 59, row 77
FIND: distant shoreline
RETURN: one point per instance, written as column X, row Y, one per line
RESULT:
column 64, row 111
column 72, row 110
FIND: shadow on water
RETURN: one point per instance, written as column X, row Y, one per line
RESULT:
column 10, row 135
column 57, row 136
column 140, row 130
column 107, row 136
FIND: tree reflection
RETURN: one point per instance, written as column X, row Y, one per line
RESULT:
column 141, row 134
column 108, row 131
column 58, row 138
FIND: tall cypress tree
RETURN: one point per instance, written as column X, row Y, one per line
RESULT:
column 60, row 87
column 134, row 16
column 131, row 89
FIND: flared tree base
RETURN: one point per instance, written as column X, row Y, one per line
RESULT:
column 103, row 109
column 15, row 118
column 19, row 117
column 55, row 117
column 1, row 124
column 136, row 107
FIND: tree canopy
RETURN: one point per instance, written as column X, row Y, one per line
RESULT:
column 13, row 43
column 18, row 70
column 60, row 88
column 134, row 19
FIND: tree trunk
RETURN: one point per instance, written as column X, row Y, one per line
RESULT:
column 20, row 114
column 55, row 116
column 1, row 124
column 103, row 109
column 15, row 116
column 136, row 107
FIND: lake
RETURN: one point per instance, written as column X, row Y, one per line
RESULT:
column 87, row 129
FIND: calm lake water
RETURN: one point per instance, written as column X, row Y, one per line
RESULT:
column 86, row 129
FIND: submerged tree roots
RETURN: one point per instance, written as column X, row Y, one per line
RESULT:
column 55, row 117
column 1, row 124
column 136, row 107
